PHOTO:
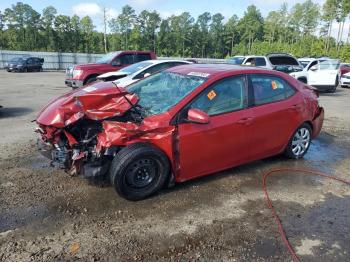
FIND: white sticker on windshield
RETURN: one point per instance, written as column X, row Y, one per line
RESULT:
column 90, row 89
column 198, row 74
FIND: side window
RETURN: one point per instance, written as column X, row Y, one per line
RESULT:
column 312, row 64
column 260, row 61
column 142, row 57
column 224, row 96
column 125, row 59
column 29, row 61
column 269, row 89
column 250, row 61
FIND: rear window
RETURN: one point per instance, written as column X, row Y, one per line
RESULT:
column 142, row 57
column 283, row 60
column 268, row 88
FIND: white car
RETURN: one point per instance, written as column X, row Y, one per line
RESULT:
column 345, row 80
column 324, row 74
column 275, row 61
column 135, row 72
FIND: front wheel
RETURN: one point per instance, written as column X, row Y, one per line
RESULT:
column 138, row 171
column 300, row 142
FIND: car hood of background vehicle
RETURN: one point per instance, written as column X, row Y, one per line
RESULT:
column 97, row 102
column 116, row 73
column 88, row 66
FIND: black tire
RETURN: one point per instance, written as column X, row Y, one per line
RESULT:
column 90, row 80
column 290, row 149
column 333, row 89
column 138, row 171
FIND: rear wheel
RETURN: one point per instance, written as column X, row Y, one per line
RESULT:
column 138, row 171
column 334, row 88
column 300, row 142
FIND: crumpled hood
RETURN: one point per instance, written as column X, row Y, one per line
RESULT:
column 97, row 102
column 88, row 66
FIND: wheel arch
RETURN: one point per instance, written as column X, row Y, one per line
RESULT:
column 89, row 77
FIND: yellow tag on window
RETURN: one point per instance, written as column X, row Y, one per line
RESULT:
column 211, row 95
column 274, row 85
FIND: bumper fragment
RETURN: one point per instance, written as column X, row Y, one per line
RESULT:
column 74, row 83
column 318, row 122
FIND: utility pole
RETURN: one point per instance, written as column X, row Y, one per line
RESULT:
column 105, row 27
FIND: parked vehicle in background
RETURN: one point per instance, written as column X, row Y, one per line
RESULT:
column 24, row 64
column 80, row 75
column 324, row 74
column 236, row 60
column 345, row 80
column 135, row 72
column 275, row 61
column 344, row 68
column 182, row 123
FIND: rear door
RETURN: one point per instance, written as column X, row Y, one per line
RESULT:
column 220, row 144
column 276, row 108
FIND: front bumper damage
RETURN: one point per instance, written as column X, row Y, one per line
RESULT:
column 83, row 130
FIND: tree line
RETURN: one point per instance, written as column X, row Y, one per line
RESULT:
column 304, row 29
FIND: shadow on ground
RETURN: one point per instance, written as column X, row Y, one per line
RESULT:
column 14, row 111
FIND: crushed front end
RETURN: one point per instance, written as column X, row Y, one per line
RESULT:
column 83, row 130
column 69, row 127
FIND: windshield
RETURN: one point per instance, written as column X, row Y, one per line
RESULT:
column 236, row 60
column 329, row 65
column 106, row 59
column 160, row 92
column 135, row 67
column 283, row 60
column 304, row 63
column 17, row 59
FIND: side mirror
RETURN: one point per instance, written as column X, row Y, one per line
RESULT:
column 197, row 116
column 146, row 75
column 116, row 63
column 314, row 68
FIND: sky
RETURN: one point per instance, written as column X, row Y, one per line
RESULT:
column 164, row 7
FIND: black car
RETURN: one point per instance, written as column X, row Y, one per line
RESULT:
column 25, row 64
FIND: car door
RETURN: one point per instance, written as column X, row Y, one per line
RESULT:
column 29, row 64
column 220, row 144
column 276, row 109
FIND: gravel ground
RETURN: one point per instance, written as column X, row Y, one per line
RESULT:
column 47, row 215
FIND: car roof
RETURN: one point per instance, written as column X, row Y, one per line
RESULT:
column 212, row 70
column 159, row 61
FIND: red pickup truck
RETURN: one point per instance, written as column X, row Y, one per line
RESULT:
column 80, row 75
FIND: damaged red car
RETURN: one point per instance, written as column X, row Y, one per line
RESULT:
column 183, row 123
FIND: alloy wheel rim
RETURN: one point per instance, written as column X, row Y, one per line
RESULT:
column 301, row 141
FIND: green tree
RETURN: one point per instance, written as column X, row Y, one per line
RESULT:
column 124, row 23
column 48, row 18
column 251, row 26
column 87, row 28
column 217, row 34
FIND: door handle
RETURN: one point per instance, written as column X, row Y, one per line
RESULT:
column 245, row 121
column 295, row 107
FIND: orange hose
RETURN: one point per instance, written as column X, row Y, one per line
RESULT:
column 274, row 213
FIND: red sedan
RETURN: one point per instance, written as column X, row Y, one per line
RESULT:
column 183, row 123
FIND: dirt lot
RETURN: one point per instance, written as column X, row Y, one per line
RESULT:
column 46, row 215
